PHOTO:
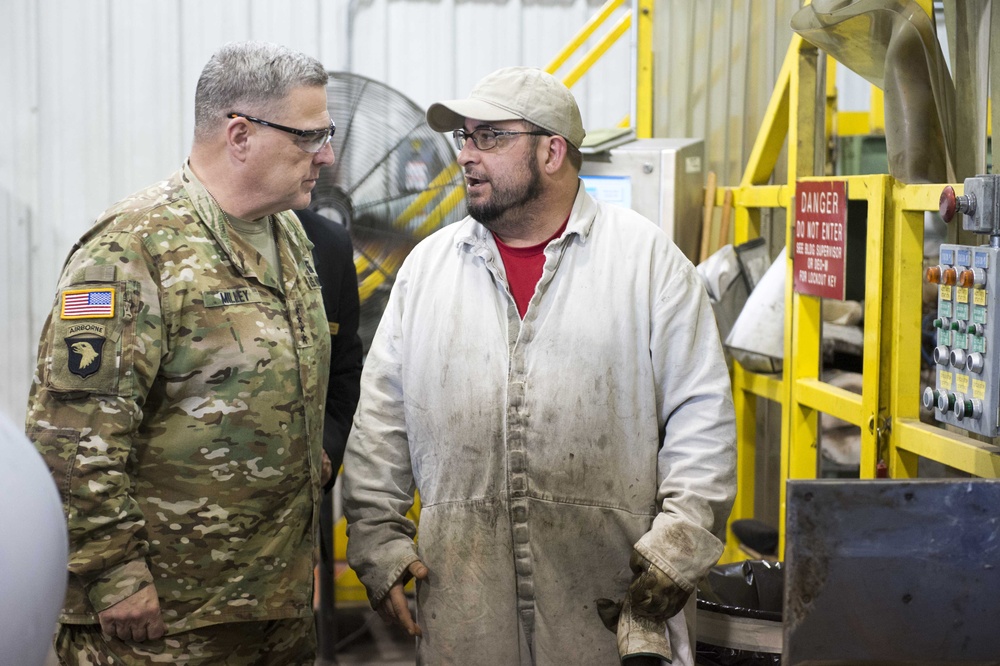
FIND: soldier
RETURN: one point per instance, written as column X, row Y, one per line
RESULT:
column 181, row 383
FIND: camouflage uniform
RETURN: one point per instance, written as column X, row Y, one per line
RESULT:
column 265, row 643
column 178, row 401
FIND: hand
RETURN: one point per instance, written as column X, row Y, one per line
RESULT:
column 653, row 593
column 327, row 472
column 394, row 609
column 135, row 618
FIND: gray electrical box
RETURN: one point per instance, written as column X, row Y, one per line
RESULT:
column 966, row 391
column 967, row 356
column 662, row 179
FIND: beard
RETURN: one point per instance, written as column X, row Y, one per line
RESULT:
column 506, row 197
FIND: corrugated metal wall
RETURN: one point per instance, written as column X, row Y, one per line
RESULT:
column 716, row 63
column 97, row 96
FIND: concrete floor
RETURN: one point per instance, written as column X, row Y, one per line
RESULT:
column 363, row 638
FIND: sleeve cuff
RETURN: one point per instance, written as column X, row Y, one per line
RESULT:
column 378, row 595
column 682, row 550
column 118, row 583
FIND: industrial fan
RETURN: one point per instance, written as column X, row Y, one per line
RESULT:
column 394, row 182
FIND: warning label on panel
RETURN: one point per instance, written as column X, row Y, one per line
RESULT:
column 820, row 238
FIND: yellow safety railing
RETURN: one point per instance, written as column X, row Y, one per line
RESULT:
column 887, row 410
column 644, row 55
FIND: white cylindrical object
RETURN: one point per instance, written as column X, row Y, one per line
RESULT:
column 33, row 551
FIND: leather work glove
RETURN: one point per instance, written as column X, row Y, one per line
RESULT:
column 642, row 641
column 640, row 621
column 653, row 593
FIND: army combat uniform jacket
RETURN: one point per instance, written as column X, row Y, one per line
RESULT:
column 178, row 401
column 544, row 449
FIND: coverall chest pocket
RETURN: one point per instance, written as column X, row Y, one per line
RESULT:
column 92, row 339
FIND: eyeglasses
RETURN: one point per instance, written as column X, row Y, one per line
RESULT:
column 311, row 141
column 486, row 138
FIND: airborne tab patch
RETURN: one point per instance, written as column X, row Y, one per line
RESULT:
column 88, row 303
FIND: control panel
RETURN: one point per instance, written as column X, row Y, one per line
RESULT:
column 967, row 364
column 967, row 326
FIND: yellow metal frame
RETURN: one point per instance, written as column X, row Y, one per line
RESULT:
column 887, row 409
column 644, row 56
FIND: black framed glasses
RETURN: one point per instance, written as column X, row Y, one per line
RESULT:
column 311, row 141
column 486, row 138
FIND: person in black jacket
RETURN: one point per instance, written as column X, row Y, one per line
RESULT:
column 334, row 258
column 333, row 255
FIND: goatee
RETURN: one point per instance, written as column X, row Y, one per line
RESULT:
column 498, row 213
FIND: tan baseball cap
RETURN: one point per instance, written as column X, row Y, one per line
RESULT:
column 514, row 93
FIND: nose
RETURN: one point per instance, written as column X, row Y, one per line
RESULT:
column 469, row 153
column 325, row 156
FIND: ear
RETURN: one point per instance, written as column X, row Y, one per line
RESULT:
column 238, row 138
column 555, row 152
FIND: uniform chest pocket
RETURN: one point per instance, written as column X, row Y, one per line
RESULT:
column 92, row 339
column 237, row 325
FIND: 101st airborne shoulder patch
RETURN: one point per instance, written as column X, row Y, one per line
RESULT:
column 96, row 303
column 86, row 351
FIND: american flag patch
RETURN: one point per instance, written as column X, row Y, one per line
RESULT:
column 88, row 303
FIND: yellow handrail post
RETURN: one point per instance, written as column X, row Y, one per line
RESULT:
column 642, row 12
column 799, row 427
column 644, row 71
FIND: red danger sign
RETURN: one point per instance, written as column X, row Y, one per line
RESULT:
column 820, row 238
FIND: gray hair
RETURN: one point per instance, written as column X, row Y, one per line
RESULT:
column 250, row 77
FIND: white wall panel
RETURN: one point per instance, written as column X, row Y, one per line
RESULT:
column 331, row 31
column 74, row 147
column 420, row 60
column 487, row 37
column 74, row 76
column 291, row 23
column 369, row 42
column 18, row 200
column 204, row 27
column 146, row 113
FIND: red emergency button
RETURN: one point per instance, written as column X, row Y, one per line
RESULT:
column 948, row 204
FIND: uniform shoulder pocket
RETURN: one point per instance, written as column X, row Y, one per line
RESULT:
column 91, row 339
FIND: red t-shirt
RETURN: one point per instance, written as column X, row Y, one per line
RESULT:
column 524, row 268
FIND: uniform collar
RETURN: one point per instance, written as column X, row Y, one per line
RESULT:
column 239, row 253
